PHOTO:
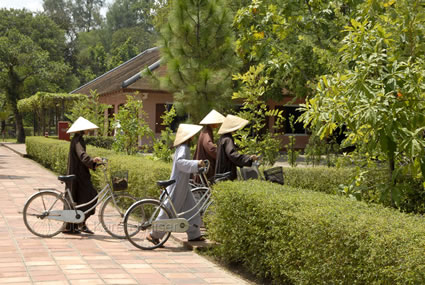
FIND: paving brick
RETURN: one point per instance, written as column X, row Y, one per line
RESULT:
column 83, row 259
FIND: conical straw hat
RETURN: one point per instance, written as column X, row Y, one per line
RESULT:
column 213, row 117
column 81, row 124
column 185, row 132
column 232, row 123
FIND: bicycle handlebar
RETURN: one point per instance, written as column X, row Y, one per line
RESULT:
column 104, row 161
column 205, row 168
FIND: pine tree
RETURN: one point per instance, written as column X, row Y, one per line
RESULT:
column 197, row 46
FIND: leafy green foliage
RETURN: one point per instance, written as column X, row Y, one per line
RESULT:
column 40, row 103
column 295, row 236
column 294, row 40
column 378, row 91
column 91, row 109
column 30, row 58
column 320, row 179
column 291, row 153
column 197, row 49
column 162, row 146
column 99, row 141
column 255, row 139
column 131, row 118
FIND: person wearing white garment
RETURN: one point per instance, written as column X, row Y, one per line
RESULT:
column 179, row 192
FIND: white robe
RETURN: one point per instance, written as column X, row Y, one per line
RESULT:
column 180, row 191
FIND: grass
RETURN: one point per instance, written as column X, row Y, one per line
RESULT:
column 10, row 140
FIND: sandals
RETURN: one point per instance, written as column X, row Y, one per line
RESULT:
column 71, row 232
column 200, row 238
column 85, row 229
column 153, row 240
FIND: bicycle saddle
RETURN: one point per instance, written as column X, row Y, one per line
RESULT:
column 165, row 183
column 67, row 178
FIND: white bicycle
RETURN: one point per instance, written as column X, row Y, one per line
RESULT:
column 45, row 213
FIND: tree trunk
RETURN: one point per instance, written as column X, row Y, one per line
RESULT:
column 12, row 95
column 391, row 164
column 20, row 133
column 43, row 121
column 34, row 127
column 3, row 128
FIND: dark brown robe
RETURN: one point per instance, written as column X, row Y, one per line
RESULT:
column 206, row 149
column 228, row 157
column 79, row 163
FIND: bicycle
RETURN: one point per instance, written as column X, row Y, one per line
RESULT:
column 46, row 212
column 140, row 217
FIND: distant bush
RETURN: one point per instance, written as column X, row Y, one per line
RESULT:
column 100, row 141
column 29, row 131
column 361, row 184
column 320, row 179
column 294, row 236
column 142, row 172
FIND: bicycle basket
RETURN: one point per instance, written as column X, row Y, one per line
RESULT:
column 274, row 174
column 249, row 173
column 119, row 180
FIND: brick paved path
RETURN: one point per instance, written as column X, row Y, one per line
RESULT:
column 83, row 259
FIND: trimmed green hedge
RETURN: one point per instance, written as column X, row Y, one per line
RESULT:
column 320, row 179
column 142, row 172
column 100, row 141
column 303, row 237
column 328, row 180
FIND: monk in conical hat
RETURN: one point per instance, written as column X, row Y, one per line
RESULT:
column 206, row 148
column 79, row 163
column 180, row 192
column 228, row 158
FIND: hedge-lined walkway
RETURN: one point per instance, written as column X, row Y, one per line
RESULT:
column 97, row 259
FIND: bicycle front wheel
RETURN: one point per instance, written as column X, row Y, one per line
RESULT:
column 200, row 198
column 138, row 223
column 37, row 210
column 112, row 212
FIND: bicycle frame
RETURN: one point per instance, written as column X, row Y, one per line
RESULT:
column 103, row 194
column 203, row 203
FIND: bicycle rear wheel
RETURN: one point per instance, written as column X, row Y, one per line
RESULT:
column 138, row 223
column 36, row 213
column 112, row 212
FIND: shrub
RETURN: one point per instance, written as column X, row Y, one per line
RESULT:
column 303, row 237
column 142, row 172
column 100, row 141
column 320, row 179
column 29, row 131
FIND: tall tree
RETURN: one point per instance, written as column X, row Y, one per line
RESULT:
column 197, row 46
column 295, row 40
column 60, row 12
column 30, row 58
column 86, row 14
column 378, row 92
column 130, row 22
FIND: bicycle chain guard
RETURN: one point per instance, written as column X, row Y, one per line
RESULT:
column 68, row 216
column 179, row 225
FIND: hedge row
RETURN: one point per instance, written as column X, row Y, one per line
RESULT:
column 411, row 193
column 297, row 236
column 142, row 172
column 320, row 179
column 100, row 141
